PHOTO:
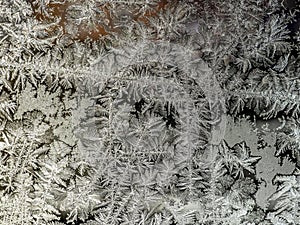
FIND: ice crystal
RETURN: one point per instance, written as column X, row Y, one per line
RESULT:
column 115, row 112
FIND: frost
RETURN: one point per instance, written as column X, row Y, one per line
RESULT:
column 115, row 112
column 40, row 99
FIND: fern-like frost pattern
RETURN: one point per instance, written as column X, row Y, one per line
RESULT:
column 127, row 112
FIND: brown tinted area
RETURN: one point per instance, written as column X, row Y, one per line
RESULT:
column 106, row 23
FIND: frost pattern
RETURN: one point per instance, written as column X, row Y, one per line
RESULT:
column 114, row 112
